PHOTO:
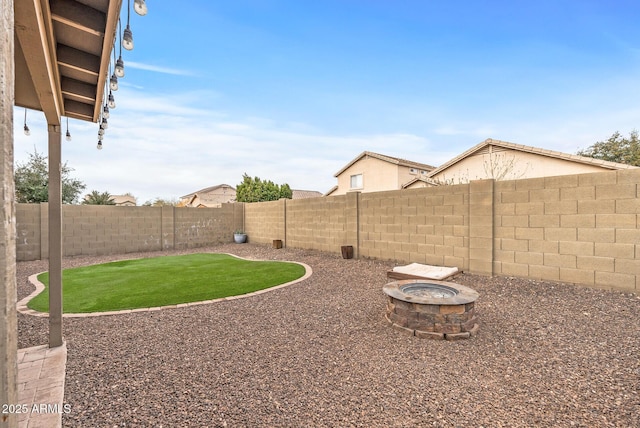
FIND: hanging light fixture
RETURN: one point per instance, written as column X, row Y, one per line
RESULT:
column 68, row 135
column 27, row 132
column 112, row 101
column 140, row 7
column 105, row 111
column 113, row 82
column 127, row 36
column 101, row 134
column 119, row 68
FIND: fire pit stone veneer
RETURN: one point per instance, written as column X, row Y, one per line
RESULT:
column 432, row 309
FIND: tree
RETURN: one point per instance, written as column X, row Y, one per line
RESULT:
column 97, row 198
column 159, row 202
column 498, row 166
column 32, row 181
column 501, row 167
column 616, row 149
column 256, row 190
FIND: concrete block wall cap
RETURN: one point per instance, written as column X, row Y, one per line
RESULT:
column 463, row 295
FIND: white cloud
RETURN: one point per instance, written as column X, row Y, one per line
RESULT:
column 169, row 144
column 159, row 69
column 166, row 147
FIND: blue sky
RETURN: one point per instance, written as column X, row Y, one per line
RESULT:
column 293, row 90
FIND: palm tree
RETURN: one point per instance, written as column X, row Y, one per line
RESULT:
column 97, row 198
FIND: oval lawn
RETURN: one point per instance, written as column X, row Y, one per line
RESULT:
column 163, row 281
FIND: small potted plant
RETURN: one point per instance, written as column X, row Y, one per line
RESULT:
column 239, row 237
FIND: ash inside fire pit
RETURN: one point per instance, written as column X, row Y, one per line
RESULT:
column 433, row 309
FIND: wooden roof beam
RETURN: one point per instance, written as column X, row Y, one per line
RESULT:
column 78, row 60
column 113, row 14
column 78, row 110
column 78, row 15
column 34, row 37
column 75, row 89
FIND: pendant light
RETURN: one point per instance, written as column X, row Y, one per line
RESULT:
column 111, row 100
column 68, row 135
column 27, row 132
column 140, row 7
column 113, row 82
column 127, row 36
column 119, row 68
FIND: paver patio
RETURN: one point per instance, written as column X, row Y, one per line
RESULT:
column 41, row 376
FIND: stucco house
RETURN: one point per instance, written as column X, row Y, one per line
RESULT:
column 214, row 196
column 502, row 160
column 373, row 172
column 209, row 197
column 124, row 200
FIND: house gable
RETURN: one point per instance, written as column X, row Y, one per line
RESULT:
column 210, row 196
column 373, row 172
column 502, row 160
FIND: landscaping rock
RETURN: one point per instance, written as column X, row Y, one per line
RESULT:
column 320, row 353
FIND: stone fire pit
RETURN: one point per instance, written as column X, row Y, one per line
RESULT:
column 432, row 309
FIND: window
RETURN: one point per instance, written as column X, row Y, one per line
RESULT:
column 356, row 181
column 413, row 171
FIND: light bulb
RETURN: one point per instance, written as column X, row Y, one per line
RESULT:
column 112, row 101
column 113, row 82
column 119, row 70
column 104, row 124
column 127, row 38
column 140, row 7
column 100, row 132
column 99, row 146
column 27, row 132
column 68, row 136
column 105, row 112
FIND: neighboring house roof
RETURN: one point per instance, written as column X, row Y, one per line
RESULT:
column 529, row 149
column 210, row 197
column 207, row 190
column 124, row 200
column 333, row 189
column 304, row 194
column 390, row 159
column 429, row 181
column 195, row 202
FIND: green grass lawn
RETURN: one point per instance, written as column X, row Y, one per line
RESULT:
column 162, row 281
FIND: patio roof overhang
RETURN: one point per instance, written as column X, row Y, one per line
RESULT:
column 62, row 55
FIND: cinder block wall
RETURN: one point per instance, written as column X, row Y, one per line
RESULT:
column 319, row 223
column 28, row 233
column 267, row 221
column 428, row 225
column 580, row 228
column 100, row 229
column 203, row 226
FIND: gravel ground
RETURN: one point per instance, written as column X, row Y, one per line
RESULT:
column 320, row 353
